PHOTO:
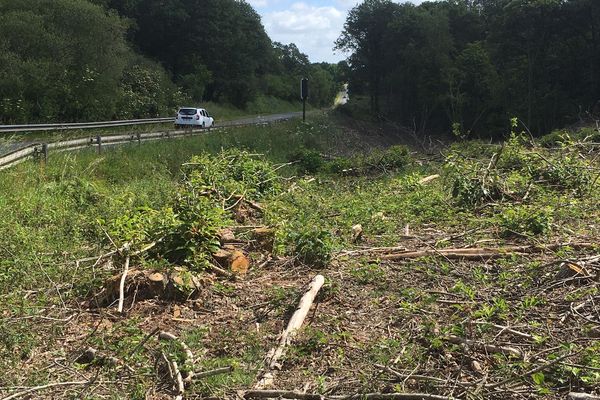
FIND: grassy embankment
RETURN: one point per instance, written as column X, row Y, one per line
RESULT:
column 385, row 322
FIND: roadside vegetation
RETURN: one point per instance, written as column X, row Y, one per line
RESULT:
column 465, row 66
column 466, row 272
column 84, row 60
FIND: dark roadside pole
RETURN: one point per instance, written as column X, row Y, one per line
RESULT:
column 304, row 96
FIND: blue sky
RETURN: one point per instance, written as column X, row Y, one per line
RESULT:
column 313, row 25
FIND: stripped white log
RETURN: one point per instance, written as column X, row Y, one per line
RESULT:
column 428, row 179
column 295, row 323
column 189, row 356
column 122, row 285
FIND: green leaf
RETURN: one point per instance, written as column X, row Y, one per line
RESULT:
column 538, row 378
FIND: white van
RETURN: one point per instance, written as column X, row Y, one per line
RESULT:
column 199, row 117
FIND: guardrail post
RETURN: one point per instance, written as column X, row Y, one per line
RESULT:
column 139, row 138
column 44, row 153
column 99, row 141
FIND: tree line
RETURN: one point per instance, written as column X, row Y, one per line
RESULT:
column 84, row 60
column 470, row 65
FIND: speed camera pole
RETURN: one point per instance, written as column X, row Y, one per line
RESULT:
column 304, row 96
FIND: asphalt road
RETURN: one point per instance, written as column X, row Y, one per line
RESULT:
column 13, row 142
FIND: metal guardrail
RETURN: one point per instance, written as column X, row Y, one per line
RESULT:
column 41, row 150
column 81, row 125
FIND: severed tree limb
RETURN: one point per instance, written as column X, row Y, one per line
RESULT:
column 505, row 329
column 189, row 356
column 482, row 252
column 143, row 342
column 175, row 375
column 122, row 285
column 286, row 394
column 428, row 179
column 213, row 372
column 583, row 396
column 411, row 376
column 531, row 371
column 42, row 387
column 489, row 348
column 178, row 380
column 272, row 359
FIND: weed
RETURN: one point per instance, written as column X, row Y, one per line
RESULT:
column 565, row 173
column 462, row 288
column 368, row 274
column 307, row 161
column 525, row 220
column 312, row 246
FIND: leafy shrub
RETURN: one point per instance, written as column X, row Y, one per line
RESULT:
column 312, row 246
column 568, row 172
column 555, row 139
column 589, row 134
column 341, row 165
column 474, row 191
column 308, row 161
column 525, row 220
column 186, row 232
column 393, row 158
column 370, row 273
column 514, row 155
column 228, row 174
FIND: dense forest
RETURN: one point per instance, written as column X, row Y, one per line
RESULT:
column 471, row 65
column 78, row 60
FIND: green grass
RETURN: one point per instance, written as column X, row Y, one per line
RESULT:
column 54, row 214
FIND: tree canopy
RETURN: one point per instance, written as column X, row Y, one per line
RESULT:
column 72, row 60
column 472, row 64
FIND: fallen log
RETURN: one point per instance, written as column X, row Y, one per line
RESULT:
column 42, row 387
column 428, row 179
column 481, row 252
column 272, row 358
column 288, row 394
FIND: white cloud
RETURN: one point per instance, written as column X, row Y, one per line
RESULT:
column 258, row 3
column 312, row 28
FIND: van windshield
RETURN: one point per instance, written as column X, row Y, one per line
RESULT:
column 187, row 111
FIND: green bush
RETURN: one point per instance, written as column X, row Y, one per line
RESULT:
column 474, row 191
column 307, row 161
column 393, row 158
column 515, row 155
column 566, row 173
column 312, row 246
column 186, row 232
column 230, row 174
column 525, row 220
column 342, row 165
column 555, row 139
